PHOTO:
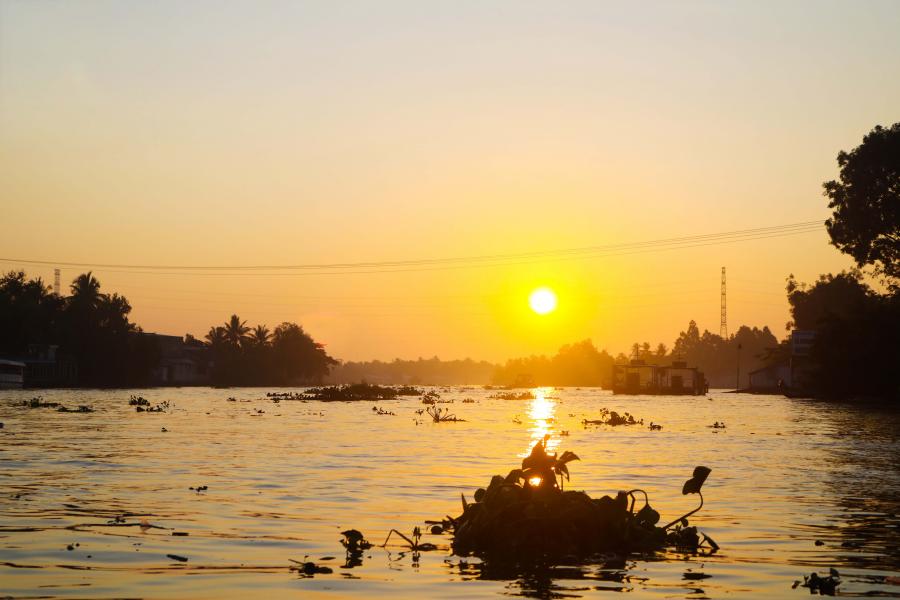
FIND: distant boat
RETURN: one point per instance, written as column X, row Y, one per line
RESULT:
column 12, row 374
column 638, row 377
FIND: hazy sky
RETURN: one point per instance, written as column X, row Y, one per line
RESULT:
column 244, row 133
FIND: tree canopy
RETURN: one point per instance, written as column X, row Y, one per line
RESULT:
column 866, row 202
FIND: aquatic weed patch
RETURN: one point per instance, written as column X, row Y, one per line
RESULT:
column 512, row 396
column 613, row 419
column 355, row 391
column 528, row 516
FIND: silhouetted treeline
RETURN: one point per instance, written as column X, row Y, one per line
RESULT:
column 286, row 356
column 424, row 371
column 89, row 327
column 719, row 358
column 579, row 364
column 856, row 351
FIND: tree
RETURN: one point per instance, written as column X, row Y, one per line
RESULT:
column 235, row 331
column 866, row 202
column 259, row 336
column 661, row 350
column 85, row 291
column 215, row 338
column 687, row 340
column 838, row 296
column 29, row 313
column 297, row 357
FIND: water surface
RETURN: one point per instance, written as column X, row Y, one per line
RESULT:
column 284, row 479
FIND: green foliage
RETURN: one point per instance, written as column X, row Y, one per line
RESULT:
column 866, row 201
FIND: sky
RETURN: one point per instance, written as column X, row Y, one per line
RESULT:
column 283, row 133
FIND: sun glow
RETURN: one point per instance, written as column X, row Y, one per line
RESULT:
column 542, row 301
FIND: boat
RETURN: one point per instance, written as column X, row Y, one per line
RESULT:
column 12, row 374
column 639, row 377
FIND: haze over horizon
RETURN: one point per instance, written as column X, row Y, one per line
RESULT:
column 275, row 133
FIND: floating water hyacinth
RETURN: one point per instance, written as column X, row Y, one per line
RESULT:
column 528, row 515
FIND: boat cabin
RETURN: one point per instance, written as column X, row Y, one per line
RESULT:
column 638, row 377
column 12, row 374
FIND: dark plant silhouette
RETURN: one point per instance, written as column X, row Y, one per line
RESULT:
column 236, row 331
column 866, row 202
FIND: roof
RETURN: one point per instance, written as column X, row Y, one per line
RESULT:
column 13, row 363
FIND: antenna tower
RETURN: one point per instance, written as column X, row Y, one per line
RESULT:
column 56, row 287
column 723, row 322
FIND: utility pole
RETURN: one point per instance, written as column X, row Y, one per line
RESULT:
column 738, row 386
column 56, row 286
column 723, row 320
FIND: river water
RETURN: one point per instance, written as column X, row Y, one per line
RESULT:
column 796, row 486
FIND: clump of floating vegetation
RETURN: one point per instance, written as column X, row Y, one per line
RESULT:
column 138, row 401
column 38, row 402
column 81, row 409
column 430, row 397
column 161, row 407
column 414, row 544
column 354, row 391
column 407, row 390
column 442, row 415
column 611, row 417
column 278, row 396
column 825, row 585
column 512, row 396
column 527, row 515
column 308, row 569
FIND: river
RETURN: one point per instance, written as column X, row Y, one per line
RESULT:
column 796, row 486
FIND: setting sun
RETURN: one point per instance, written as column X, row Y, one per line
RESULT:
column 542, row 301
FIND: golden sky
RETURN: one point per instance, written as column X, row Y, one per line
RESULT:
column 248, row 133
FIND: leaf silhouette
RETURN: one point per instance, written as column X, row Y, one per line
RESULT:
column 693, row 485
column 514, row 476
column 567, row 456
column 648, row 515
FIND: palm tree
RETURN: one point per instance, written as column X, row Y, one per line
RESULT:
column 259, row 336
column 86, row 290
column 216, row 337
column 236, row 331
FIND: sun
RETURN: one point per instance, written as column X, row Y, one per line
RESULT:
column 542, row 301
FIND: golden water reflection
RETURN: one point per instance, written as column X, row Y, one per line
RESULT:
column 541, row 414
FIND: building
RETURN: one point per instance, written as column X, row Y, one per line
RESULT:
column 638, row 377
column 771, row 379
column 44, row 367
column 180, row 363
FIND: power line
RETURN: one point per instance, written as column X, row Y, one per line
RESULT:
column 452, row 262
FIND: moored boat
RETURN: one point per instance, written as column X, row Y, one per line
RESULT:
column 12, row 374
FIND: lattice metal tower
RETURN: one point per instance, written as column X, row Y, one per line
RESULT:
column 723, row 321
column 56, row 287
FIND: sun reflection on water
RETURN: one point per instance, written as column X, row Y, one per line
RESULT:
column 541, row 412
